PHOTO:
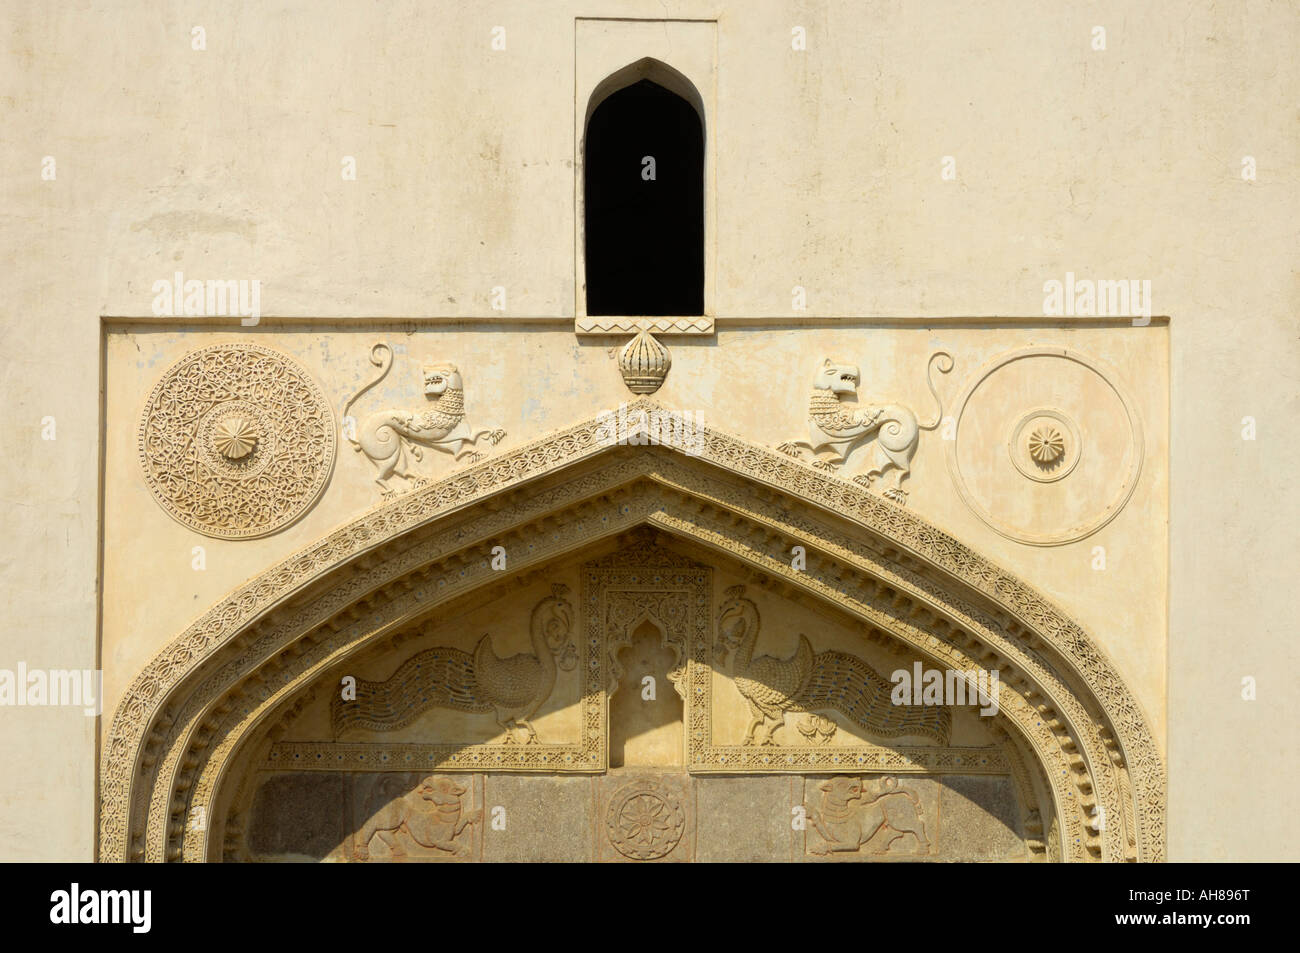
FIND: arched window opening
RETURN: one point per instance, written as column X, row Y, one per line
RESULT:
column 644, row 203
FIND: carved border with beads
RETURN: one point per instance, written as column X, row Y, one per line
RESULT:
column 142, row 718
column 636, row 505
column 624, row 504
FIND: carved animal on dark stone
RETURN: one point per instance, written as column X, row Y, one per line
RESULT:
column 432, row 815
column 846, row 819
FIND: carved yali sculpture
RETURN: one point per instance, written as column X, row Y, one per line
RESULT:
column 807, row 683
column 386, row 437
column 511, row 688
column 848, row 818
column 433, row 815
column 236, row 441
column 836, row 430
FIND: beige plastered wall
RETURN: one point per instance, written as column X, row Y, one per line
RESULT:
column 225, row 163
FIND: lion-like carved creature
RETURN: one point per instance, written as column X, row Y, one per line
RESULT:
column 432, row 815
column 386, row 437
column 847, row 819
column 837, row 429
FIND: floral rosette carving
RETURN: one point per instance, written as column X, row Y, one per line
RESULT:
column 644, row 820
column 236, row 441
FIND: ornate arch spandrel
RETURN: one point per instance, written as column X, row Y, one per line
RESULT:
column 635, row 506
column 172, row 726
column 643, row 502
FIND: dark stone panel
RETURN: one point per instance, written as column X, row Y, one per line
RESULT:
column 745, row 819
column 298, row 814
column 981, row 819
column 547, row 819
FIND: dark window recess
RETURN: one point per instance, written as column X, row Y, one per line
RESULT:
column 645, row 238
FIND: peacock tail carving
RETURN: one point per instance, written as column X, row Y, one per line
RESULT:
column 808, row 683
column 511, row 688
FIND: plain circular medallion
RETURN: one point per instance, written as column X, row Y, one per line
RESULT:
column 1048, row 445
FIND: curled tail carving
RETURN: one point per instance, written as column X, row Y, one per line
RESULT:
column 848, row 685
column 385, row 364
column 434, row 678
column 945, row 364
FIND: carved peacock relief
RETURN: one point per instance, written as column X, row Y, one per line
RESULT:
column 836, row 430
column 391, row 438
column 512, row 689
column 810, row 682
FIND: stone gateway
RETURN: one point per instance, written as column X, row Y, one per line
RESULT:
column 591, row 645
column 648, row 433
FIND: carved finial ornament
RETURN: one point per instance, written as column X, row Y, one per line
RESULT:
column 644, row 363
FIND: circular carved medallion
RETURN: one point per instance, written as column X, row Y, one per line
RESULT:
column 236, row 441
column 644, row 820
column 1082, row 425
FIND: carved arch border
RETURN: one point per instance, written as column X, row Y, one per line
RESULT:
column 170, row 736
column 682, row 501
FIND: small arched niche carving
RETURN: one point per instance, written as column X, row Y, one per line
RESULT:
column 645, row 711
column 643, row 190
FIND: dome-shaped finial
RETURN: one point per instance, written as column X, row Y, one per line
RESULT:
column 644, row 363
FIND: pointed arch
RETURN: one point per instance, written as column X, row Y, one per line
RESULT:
column 657, row 72
column 184, row 718
column 643, row 193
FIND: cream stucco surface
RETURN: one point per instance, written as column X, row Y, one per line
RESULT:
column 825, row 174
